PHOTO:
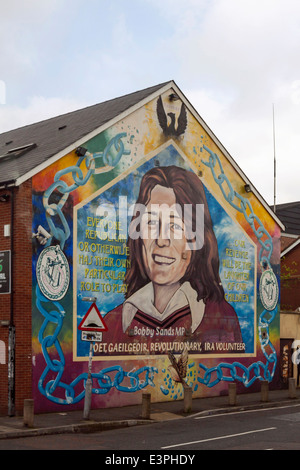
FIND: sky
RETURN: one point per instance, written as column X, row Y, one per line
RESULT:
column 237, row 62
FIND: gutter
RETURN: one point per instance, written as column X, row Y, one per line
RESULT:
column 11, row 328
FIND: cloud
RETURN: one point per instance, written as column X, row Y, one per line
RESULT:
column 19, row 24
column 38, row 109
column 233, row 59
column 235, row 64
column 250, row 139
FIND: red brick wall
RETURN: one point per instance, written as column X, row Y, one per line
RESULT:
column 285, row 241
column 290, row 280
column 21, row 268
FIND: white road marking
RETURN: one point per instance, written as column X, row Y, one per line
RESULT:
column 228, row 436
column 230, row 413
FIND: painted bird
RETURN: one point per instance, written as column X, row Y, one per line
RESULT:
column 171, row 130
column 178, row 368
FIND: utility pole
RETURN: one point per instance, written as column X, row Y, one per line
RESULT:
column 274, row 147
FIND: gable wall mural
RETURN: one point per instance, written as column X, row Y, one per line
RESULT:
column 149, row 249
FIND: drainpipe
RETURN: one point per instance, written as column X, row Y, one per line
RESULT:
column 11, row 329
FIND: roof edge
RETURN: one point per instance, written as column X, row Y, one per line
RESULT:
column 164, row 87
column 230, row 158
column 96, row 131
column 85, row 107
column 290, row 247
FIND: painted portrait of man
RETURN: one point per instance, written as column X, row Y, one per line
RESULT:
column 174, row 292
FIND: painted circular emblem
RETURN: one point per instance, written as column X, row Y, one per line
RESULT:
column 53, row 273
column 268, row 289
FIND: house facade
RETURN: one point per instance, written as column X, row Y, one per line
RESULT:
column 289, row 214
column 132, row 246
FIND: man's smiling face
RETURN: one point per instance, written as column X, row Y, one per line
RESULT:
column 164, row 243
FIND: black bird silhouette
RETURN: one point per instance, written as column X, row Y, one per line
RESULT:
column 170, row 130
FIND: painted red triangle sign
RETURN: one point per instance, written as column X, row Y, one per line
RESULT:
column 92, row 321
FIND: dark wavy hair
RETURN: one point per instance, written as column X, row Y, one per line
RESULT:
column 203, row 269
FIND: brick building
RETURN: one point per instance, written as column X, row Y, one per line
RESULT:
column 67, row 279
column 15, row 306
column 289, row 214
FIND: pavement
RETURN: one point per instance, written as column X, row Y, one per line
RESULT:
column 112, row 418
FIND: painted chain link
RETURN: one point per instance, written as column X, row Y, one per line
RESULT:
column 241, row 205
column 257, row 370
column 138, row 379
column 135, row 379
column 211, row 376
column 55, row 209
column 239, row 372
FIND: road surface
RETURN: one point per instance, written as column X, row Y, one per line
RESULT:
column 266, row 429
